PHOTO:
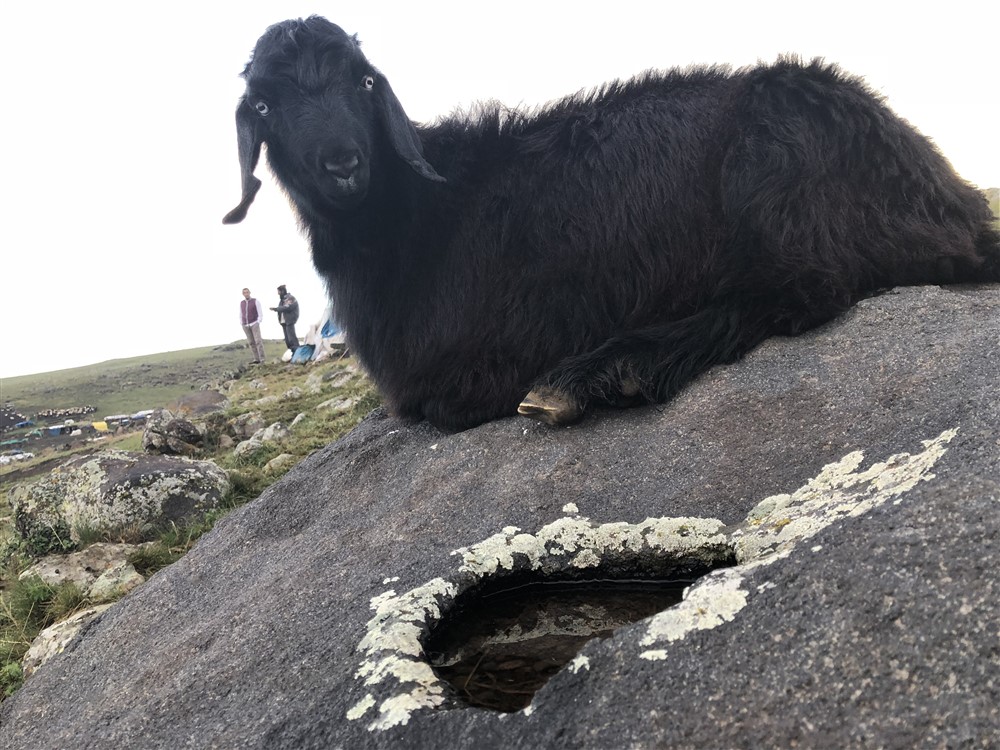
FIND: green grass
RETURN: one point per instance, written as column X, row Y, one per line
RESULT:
column 28, row 607
column 125, row 386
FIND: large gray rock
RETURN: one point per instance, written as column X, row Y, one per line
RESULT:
column 850, row 474
column 114, row 492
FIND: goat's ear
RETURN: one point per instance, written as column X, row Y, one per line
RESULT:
column 248, row 140
column 402, row 134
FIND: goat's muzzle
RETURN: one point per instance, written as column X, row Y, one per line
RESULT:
column 343, row 167
column 343, row 177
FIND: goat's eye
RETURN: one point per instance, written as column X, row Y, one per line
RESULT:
column 262, row 108
column 368, row 82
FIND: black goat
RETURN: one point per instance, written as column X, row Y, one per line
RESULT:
column 607, row 248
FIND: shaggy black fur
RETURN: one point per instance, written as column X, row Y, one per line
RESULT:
column 622, row 240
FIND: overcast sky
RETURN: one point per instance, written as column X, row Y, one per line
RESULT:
column 119, row 150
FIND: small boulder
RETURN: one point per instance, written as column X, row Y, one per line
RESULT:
column 269, row 434
column 116, row 581
column 83, row 568
column 280, row 463
column 339, row 405
column 54, row 639
column 112, row 492
column 314, row 383
column 340, row 379
column 245, row 425
column 273, row 433
column 246, row 447
column 170, row 435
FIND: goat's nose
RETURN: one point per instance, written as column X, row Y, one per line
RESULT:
column 342, row 167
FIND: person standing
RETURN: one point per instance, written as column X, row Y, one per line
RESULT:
column 250, row 315
column 288, row 315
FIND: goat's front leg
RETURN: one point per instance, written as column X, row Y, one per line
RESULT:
column 651, row 364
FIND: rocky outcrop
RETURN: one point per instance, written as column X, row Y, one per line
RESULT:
column 114, row 492
column 846, row 480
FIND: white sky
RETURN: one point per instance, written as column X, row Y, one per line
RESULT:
column 119, row 149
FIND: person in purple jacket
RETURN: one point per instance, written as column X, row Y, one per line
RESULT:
column 250, row 314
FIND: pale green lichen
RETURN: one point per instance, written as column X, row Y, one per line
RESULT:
column 839, row 491
column 778, row 523
column 394, row 656
column 589, row 544
column 714, row 600
column 360, row 708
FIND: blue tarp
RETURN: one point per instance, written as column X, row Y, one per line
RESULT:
column 303, row 354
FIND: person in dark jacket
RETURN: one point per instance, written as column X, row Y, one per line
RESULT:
column 288, row 314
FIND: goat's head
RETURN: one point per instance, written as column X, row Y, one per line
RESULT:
column 322, row 109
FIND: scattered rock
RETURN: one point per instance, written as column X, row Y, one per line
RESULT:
column 340, row 379
column 340, row 404
column 246, row 447
column 281, row 462
column 292, row 393
column 314, row 383
column 269, row 434
column 116, row 581
column 299, row 418
column 83, row 568
column 273, row 433
column 245, row 425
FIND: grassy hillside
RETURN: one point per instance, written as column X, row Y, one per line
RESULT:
column 122, row 386
column 277, row 392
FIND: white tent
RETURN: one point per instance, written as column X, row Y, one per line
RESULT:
column 325, row 337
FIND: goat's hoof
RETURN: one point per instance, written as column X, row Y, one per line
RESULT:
column 550, row 406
